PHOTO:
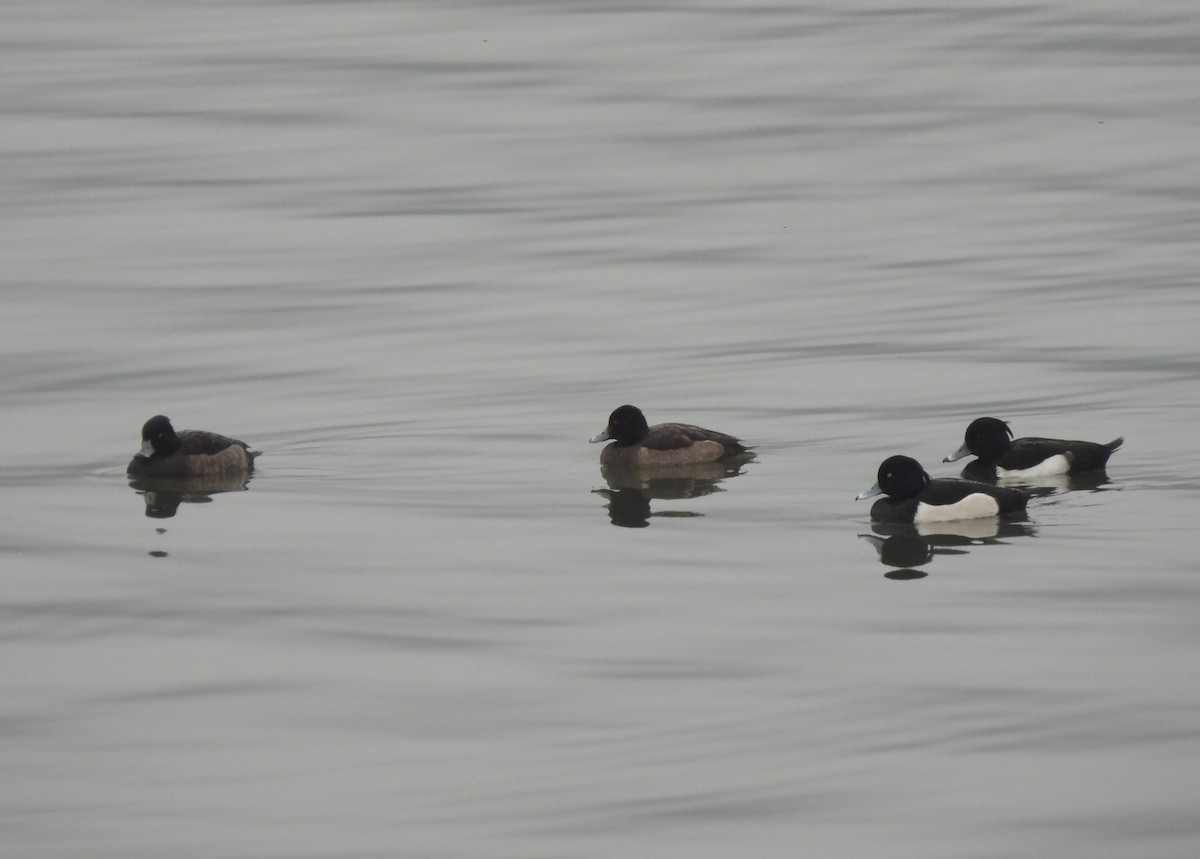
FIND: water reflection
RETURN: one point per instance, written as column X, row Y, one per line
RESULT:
column 905, row 547
column 163, row 495
column 630, row 490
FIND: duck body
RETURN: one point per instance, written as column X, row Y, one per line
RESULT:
column 187, row 453
column 990, row 439
column 911, row 495
column 636, row 444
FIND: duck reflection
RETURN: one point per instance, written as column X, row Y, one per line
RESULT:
column 905, row 547
column 630, row 490
column 163, row 495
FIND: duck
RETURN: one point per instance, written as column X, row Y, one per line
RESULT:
column 187, row 453
column 913, row 496
column 637, row 444
column 990, row 439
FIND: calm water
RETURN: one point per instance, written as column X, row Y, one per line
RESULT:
column 416, row 252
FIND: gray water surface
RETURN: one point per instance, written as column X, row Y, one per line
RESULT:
column 416, row 252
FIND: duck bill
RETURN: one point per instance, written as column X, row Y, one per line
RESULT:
column 958, row 454
column 147, row 450
column 604, row 436
column 869, row 493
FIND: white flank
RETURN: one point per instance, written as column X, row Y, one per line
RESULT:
column 975, row 506
column 1057, row 464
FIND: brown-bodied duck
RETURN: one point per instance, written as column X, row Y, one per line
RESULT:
column 636, row 443
column 187, row 453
